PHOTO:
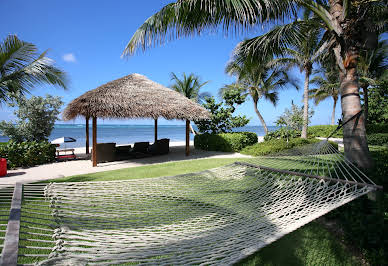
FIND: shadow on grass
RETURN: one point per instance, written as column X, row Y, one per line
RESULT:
column 309, row 245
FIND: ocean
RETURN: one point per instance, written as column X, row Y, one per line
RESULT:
column 123, row 134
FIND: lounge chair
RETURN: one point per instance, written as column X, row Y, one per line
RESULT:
column 161, row 146
column 106, row 152
column 140, row 150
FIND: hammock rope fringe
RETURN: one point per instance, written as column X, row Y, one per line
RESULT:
column 218, row 216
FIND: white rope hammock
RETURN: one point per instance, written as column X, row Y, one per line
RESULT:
column 218, row 216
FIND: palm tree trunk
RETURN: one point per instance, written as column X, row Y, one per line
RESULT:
column 366, row 103
column 355, row 141
column 260, row 117
column 305, row 104
column 333, row 112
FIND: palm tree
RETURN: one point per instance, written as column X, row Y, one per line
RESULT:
column 372, row 66
column 22, row 68
column 257, row 81
column 350, row 26
column 327, row 88
column 190, row 87
column 303, row 55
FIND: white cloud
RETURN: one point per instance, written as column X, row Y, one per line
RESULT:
column 69, row 58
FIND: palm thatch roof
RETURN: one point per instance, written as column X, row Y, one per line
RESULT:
column 134, row 96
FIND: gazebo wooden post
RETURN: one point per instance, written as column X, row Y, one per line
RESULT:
column 87, row 135
column 156, row 130
column 187, row 137
column 94, row 155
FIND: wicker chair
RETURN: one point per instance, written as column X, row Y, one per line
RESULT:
column 106, row 152
column 161, row 146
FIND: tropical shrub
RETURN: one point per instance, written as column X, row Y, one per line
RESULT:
column 293, row 117
column 324, row 131
column 227, row 142
column 376, row 128
column 222, row 119
column 378, row 139
column 36, row 118
column 282, row 133
column 23, row 154
column 275, row 145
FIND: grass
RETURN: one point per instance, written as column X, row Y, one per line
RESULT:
column 154, row 170
column 309, row 245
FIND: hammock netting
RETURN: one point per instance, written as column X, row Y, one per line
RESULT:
column 218, row 216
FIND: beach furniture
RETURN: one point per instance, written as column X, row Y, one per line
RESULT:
column 3, row 167
column 161, row 146
column 65, row 154
column 140, row 150
column 106, row 152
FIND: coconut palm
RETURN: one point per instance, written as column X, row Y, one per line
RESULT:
column 257, row 81
column 328, row 87
column 190, row 87
column 372, row 67
column 301, row 55
column 23, row 68
column 350, row 26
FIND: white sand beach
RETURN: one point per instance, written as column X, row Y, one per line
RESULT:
column 84, row 166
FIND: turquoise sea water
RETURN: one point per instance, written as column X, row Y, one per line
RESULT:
column 123, row 134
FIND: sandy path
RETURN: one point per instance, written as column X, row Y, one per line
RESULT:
column 76, row 167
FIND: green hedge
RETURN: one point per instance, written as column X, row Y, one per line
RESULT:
column 227, row 142
column 277, row 145
column 27, row 153
column 378, row 139
column 325, row 130
column 376, row 128
column 282, row 133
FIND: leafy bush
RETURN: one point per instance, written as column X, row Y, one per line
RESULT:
column 27, row 153
column 222, row 119
column 324, row 131
column 282, row 133
column 275, row 145
column 378, row 139
column 293, row 117
column 376, row 128
column 227, row 142
column 35, row 118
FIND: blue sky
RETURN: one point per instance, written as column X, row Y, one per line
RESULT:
column 86, row 39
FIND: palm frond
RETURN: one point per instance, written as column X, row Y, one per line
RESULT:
column 192, row 17
column 23, row 68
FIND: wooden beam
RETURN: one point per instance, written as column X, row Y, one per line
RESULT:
column 87, row 135
column 10, row 252
column 187, row 137
column 94, row 155
column 156, row 130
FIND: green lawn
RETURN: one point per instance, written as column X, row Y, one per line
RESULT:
column 309, row 245
column 154, row 170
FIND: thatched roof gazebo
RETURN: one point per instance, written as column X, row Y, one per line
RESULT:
column 133, row 96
